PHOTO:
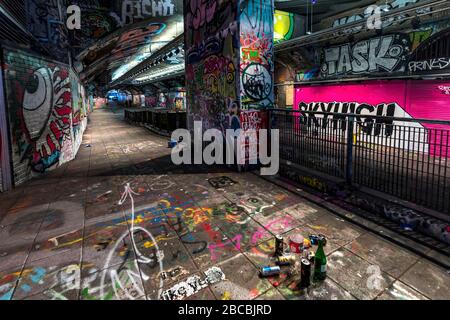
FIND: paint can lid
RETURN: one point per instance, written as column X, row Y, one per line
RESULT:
column 297, row 239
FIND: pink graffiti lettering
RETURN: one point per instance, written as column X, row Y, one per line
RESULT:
column 236, row 242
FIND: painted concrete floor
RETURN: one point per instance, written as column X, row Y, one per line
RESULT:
column 65, row 236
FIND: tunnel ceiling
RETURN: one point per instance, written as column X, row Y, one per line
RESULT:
column 116, row 35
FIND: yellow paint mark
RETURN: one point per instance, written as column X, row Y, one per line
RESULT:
column 226, row 295
column 166, row 202
column 138, row 220
column 316, row 227
column 148, row 244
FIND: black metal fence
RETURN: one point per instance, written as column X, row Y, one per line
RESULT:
column 159, row 120
column 403, row 157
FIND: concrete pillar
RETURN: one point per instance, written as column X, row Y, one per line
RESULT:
column 229, row 59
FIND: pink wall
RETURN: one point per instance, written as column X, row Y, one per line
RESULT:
column 425, row 99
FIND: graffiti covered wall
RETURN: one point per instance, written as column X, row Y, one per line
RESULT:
column 81, row 105
column 47, row 113
column 212, row 46
column 229, row 59
column 287, row 26
column 420, row 99
column 411, row 51
column 256, row 65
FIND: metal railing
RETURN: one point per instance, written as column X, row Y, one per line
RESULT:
column 403, row 157
column 163, row 121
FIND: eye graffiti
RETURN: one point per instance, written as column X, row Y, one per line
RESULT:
column 46, row 115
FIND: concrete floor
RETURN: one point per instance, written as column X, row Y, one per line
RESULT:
column 65, row 236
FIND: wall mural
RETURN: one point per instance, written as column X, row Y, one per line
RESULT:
column 211, row 48
column 128, row 51
column 380, row 54
column 229, row 59
column 257, row 66
column 39, row 97
column 287, row 26
column 420, row 99
column 80, row 110
column 396, row 54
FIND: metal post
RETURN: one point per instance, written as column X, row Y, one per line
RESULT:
column 349, row 171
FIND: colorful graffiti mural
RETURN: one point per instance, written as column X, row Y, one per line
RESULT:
column 44, row 121
column 287, row 26
column 211, row 60
column 150, row 101
column 283, row 26
column 414, row 51
column 257, row 66
column 419, row 99
column 229, row 60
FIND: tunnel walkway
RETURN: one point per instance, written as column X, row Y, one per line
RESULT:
column 67, row 236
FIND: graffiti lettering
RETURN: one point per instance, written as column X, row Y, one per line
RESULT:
column 444, row 89
column 377, row 54
column 429, row 65
column 369, row 127
column 132, row 9
column 193, row 284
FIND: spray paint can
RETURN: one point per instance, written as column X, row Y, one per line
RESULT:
column 279, row 245
column 305, row 273
column 286, row 260
column 315, row 238
column 270, row 271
